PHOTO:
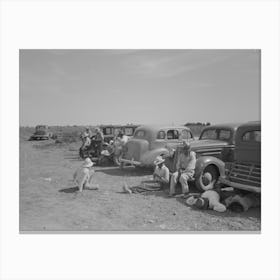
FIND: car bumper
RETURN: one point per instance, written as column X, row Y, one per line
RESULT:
column 239, row 186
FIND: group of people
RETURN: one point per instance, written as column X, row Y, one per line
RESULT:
column 162, row 179
column 185, row 171
column 87, row 137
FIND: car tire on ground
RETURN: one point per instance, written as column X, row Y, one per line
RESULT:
column 207, row 178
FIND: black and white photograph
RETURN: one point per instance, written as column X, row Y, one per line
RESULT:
column 140, row 140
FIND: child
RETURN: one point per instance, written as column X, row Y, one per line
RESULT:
column 83, row 176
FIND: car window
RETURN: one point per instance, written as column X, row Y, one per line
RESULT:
column 224, row 134
column 161, row 135
column 117, row 130
column 140, row 134
column 252, row 136
column 172, row 134
column 185, row 134
column 209, row 134
column 128, row 131
column 108, row 130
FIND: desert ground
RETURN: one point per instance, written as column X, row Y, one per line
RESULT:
column 50, row 202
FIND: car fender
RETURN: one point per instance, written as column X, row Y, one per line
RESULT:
column 204, row 161
column 149, row 157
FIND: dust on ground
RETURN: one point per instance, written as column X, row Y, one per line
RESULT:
column 49, row 201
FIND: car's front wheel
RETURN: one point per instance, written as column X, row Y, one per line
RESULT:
column 207, row 179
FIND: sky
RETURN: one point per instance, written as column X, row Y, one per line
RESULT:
column 91, row 87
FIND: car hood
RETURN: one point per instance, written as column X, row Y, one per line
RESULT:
column 197, row 144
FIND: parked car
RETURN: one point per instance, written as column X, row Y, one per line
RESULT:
column 110, row 131
column 221, row 139
column 150, row 141
column 214, row 146
column 41, row 133
column 244, row 172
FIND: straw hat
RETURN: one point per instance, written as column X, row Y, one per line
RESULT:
column 87, row 163
column 158, row 160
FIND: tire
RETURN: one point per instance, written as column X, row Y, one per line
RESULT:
column 204, row 185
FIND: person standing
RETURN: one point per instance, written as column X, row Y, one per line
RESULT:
column 99, row 140
column 185, row 169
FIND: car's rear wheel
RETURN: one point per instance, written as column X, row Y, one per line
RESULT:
column 207, row 178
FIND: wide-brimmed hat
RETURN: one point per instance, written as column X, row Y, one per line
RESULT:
column 202, row 203
column 159, row 160
column 87, row 163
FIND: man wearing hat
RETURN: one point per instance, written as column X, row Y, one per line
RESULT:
column 99, row 139
column 161, row 173
column 185, row 169
column 83, row 176
column 160, row 179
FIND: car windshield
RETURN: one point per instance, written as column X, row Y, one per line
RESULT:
column 209, row 134
column 225, row 134
column 216, row 134
column 107, row 131
column 140, row 134
column 128, row 131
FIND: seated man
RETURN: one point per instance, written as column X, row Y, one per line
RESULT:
column 159, row 181
column 185, row 169
column 161, row 173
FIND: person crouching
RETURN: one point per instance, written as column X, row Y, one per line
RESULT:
column 83, row 176
column 161, row 172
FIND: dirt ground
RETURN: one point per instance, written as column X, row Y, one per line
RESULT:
column 49, row 201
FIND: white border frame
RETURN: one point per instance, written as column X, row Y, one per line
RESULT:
column 155, row 24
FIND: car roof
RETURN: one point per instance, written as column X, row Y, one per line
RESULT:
column 223, row 125
column 161, row 127
column 251, row 123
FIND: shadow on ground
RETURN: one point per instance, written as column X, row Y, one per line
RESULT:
column 69, row 190
column 129, row 171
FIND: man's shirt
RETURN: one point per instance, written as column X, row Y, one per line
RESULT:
column 162, row 172
column 186, row 162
